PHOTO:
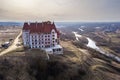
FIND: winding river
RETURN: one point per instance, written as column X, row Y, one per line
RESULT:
column 92, row 44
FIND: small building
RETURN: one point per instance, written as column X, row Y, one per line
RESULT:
column 43, row 36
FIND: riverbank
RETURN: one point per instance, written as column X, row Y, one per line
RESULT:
column 92, row 44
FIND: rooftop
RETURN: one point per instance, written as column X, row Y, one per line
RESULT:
column 43, row 27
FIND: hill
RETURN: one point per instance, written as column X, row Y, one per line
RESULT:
column 74, row 64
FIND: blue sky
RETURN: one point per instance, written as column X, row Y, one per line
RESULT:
column 60, row 10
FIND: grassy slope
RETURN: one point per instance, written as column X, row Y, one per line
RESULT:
column 72, row 65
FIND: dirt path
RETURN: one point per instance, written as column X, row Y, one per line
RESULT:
column 13, row 46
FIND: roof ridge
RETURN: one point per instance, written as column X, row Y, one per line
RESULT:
column 40, row 27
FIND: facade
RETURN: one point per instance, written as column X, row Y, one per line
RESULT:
column 43, row 36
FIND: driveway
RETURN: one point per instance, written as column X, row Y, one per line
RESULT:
column 13, row 46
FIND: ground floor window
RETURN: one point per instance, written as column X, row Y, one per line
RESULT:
column 59, row 49
column 47, row 46
column 53, row 50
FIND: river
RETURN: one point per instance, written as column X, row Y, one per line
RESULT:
column 92, row 44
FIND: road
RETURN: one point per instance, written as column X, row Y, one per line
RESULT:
column 13, row 46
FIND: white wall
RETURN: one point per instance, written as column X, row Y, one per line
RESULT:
column 28, row 39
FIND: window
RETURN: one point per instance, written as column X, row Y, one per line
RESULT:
column 55, row 40
column 53, row 50
column 53, row 44
column 35, row 40
column 59, row 49
column 53, row 35
column 47, row 46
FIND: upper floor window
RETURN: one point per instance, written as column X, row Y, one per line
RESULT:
column 35, row 40
column 56, row 40
column 53, row 35
column 53, row 32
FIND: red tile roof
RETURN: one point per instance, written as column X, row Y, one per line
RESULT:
column 44, row 27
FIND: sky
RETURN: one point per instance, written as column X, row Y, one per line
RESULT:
column 60, row 10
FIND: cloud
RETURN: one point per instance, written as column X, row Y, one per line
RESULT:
column 59, row 10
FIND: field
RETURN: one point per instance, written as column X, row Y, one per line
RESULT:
column 74, row 64
column 7, row 33
column 78, row 62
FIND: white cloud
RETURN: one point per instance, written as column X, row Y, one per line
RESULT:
column 59, row 10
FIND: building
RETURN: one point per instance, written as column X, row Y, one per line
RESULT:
column 43, row 36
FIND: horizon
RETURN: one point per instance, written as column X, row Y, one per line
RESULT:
column 62, row 21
